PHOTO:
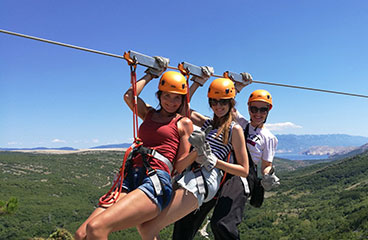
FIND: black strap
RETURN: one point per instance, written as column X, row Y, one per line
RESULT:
column 246, row 133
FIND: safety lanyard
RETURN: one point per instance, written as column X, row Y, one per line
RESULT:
column 186, row 73
column 113, row 194
column 133, row 80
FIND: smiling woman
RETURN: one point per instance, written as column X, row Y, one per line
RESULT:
column 161, row 143
column 210, row 160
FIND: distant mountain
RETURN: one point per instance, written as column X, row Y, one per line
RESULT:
column 328, row 144
column 352, row 153
column 38, row 148
column 291, row 143
column 326, row 150
column 122, row 145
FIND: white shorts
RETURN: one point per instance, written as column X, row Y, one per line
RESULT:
column 212, row 179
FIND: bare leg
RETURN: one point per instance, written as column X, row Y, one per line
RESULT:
column 81, row 233
column 131, row 211
column 183, row 203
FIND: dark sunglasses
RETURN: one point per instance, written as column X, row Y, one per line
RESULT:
column 222, row 102
column 254, row 109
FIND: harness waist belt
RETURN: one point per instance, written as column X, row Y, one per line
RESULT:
column 160, row 157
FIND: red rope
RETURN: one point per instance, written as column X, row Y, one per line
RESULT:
column 109, row 198
column 113, row 194
column 135, row 101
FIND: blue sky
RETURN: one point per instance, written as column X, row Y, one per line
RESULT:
column 54, row 96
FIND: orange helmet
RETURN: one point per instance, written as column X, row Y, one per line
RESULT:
column 173, row 82
column 261, row 96
column 221, row 88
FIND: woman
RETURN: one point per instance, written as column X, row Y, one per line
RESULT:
column 261, row 142
column 229, row 206
column 224, row 137
column 163, row 130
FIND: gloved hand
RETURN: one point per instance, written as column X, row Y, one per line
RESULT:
column 205, row 156
column 247, row 79
column 198, row 139
column 270, row 180
column 207, row 72
column 207, row 160
column 162, row 62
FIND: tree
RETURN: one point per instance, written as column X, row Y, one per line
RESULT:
column 8, row 207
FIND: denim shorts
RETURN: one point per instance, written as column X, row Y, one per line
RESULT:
column 137, row 178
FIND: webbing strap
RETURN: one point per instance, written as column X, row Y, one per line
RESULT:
column 162, row 158
column 200, row 181
column 156, row 182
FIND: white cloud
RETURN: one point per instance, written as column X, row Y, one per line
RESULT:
column 12, row 143
column 282, row 126
column 95, row 140
column 58, row 141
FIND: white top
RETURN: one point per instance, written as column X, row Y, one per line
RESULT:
column 260, row 142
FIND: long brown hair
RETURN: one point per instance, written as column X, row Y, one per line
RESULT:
column 223, row 124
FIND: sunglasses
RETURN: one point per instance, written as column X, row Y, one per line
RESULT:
column 254, row 109
column 222, row 102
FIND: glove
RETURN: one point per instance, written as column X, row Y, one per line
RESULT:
column 207, row 160
column 270, row 180
column 198, row 139
column 207, row 72
column 247, row 79
column 162, row 62
column 205, row 156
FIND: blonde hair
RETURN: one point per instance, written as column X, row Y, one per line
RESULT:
column 223, row 124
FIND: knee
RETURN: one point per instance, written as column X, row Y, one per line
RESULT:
column 80, row 235
column 146, row 232
column 96, row 229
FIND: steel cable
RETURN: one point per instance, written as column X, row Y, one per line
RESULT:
column 170, row 67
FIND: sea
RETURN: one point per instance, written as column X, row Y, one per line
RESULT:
column 295, row 156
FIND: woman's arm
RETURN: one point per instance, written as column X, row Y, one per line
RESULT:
column 142, row 107
column 185, row 128
column 242, row 166
column 266, row 167
column 197, row 118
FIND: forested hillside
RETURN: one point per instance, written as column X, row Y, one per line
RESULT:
column 323, row 201
column 320, row 201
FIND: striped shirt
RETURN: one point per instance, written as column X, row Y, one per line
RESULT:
column 218, row 148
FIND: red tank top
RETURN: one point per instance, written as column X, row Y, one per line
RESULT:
column 163, row 137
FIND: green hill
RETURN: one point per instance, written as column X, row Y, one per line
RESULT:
column 326, row 200
column 322, row 201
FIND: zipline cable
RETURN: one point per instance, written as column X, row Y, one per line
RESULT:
column 175, row 68
column 61, row 44
column 306, row 88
